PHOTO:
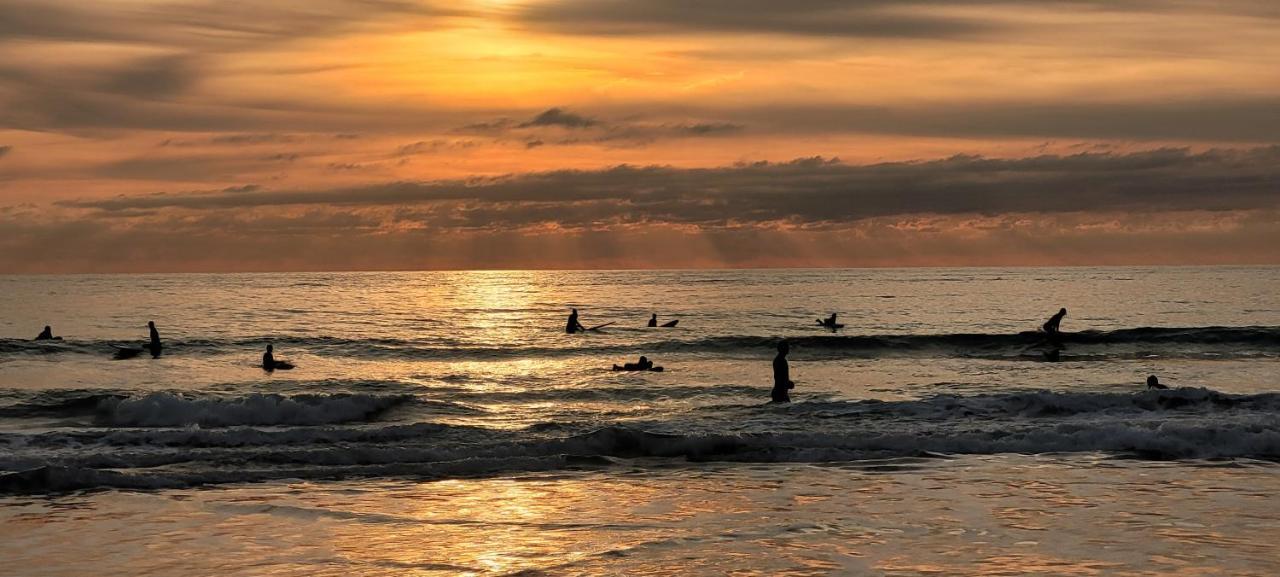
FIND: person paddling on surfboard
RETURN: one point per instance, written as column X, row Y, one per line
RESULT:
column 782, row 375
column 643, row 365
column 573, row 326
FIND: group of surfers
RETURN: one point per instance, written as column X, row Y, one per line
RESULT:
column 782, row 383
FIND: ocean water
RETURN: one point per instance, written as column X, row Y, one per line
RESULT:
column 443, row 423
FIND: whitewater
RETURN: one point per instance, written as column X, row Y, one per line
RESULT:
column 416, row 385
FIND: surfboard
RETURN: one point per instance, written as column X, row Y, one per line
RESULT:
column 621, row 368
column 598, row 327
column 670, row 324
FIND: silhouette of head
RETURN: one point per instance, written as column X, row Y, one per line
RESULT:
column 784, row 347
column 46, row 327
column 644, row 359
column 575, row 311
column 1062, row 311
column 1152, row 381
column 269, row 348
column 151, row 324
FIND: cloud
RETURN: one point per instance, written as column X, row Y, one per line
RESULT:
column 559, row 117
column 1209, row 119
column 433, row 146
column 197, row 25
column 804, row 193
column 557, row 126
column 119, row 64
column 905, row 19
column 153, row 78
column 864, row 18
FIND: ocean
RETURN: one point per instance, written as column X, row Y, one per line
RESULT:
column 443, row 423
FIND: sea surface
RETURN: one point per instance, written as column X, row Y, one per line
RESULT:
column 443, row 423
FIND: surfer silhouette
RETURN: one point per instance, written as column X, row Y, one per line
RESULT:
column 782, row 375
column 47, row 335
column 269, row 362
column 1154, row 383
column 154, row 346
column 830, row 322
column 653, row 320
column 644, row 364
column 573, row 326
column 1051, row 326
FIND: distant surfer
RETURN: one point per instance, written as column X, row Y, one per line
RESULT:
column 830, row 322
column 269, row 362
column 1051, row 326
column 644, row 364
column 1154, row 383
column 782, row 375
column 154, row 345
column 47, row 335
column 573, row 326
column 653, row 320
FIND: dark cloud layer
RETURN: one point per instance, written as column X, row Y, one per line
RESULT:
column 559, row 126
column 812, row 192
column 911, row 19
column 873, row 18
column 201, row 24
column 560, row 117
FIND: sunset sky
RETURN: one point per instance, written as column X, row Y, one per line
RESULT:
column 225, row 135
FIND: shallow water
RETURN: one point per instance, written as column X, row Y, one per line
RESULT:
column 929, row 436
column 996, row 515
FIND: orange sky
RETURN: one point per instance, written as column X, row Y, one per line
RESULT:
column 355, row 134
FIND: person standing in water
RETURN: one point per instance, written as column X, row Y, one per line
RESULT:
column 782, row 375
column 1051, row 325
column 46, row 334
column 653, row 320
column 154, row 346
column 573, row 326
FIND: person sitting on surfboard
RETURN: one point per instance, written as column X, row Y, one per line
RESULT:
column 47, row 335
column 653, row 320
column 782, row 375
column 1051, row 326
column 644, row 364
column 269, row 362
column 573, row 326
column 830, row 322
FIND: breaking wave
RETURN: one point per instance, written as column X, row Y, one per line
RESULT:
column 244, row 441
